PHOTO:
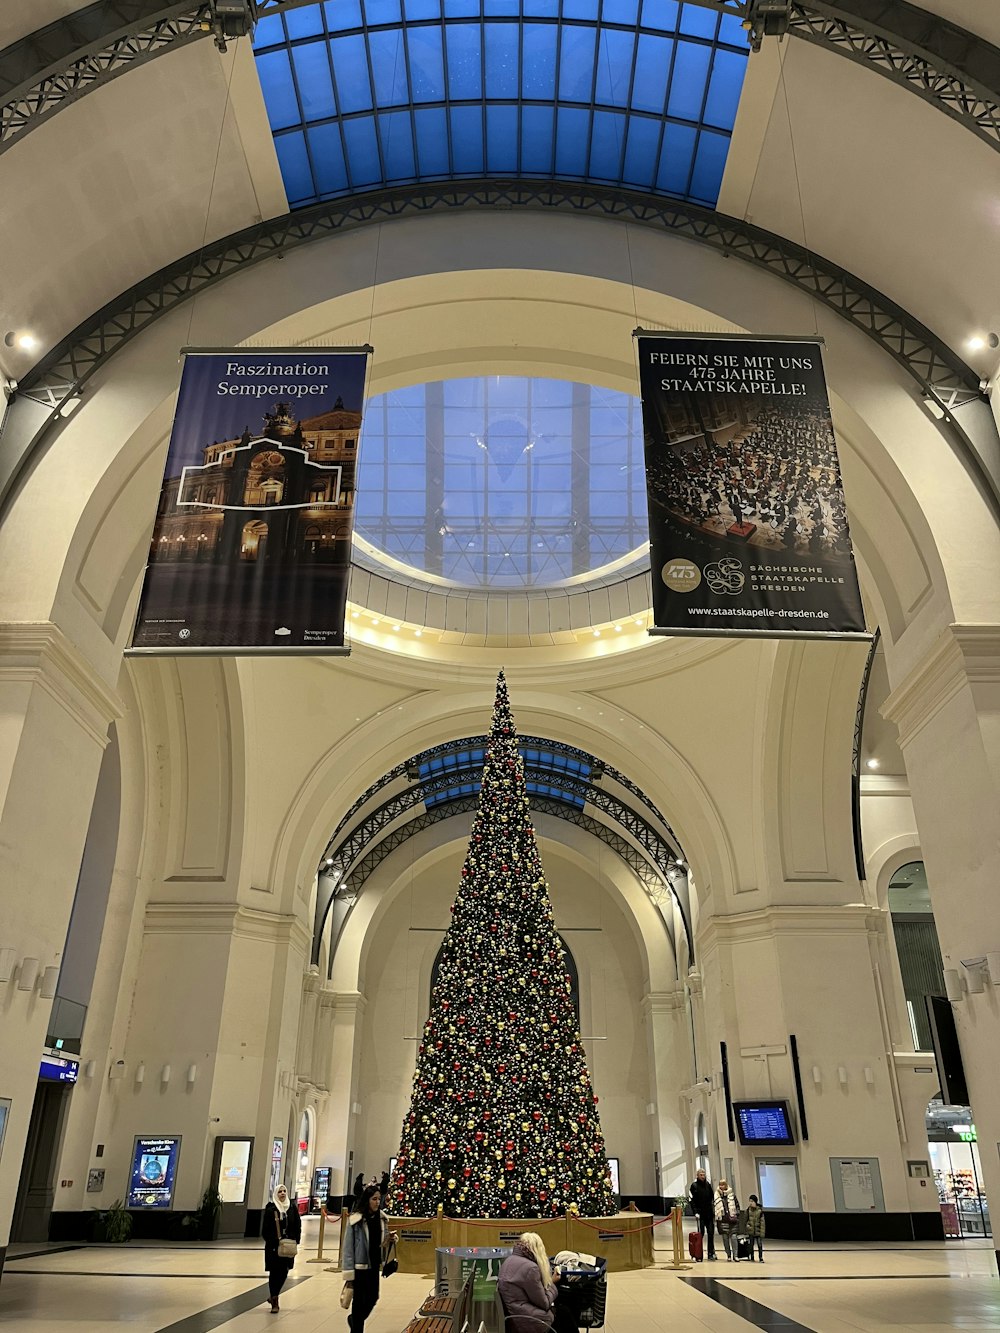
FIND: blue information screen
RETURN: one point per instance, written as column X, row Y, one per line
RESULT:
column 764, row 1123
column 154, row 1167
column 54, row 1069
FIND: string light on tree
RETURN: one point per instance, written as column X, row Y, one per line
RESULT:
column 503, row 1119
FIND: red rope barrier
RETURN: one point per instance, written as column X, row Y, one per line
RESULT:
column 535, row 1221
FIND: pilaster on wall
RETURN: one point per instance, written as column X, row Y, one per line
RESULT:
column 947, row 711
column 671, row 1067
column 341, row 1029
column 55, row 712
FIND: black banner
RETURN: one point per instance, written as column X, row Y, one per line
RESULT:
column 747, row 523
column 251, row 549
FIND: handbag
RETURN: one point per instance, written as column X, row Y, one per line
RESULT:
column 287, row 1249
column 346, row 1297
column 391, row 1264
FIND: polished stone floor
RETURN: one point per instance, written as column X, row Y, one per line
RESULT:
column 197, row 1288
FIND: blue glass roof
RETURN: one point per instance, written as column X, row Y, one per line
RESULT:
column 468, row 764
column 503, row 481
column 365, row 93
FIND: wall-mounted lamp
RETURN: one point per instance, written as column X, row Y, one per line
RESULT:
column 47, row 988
column 869, row 1076
column 28, row 974
column 165, row 1075
column 7, row 961
column 90, row 1069
column 953, row 985
column 140, row 1072
column 192, row 1074
column 817, row 1075
column 842, row 1076
column 992, row 966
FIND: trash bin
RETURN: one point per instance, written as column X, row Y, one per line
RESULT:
column 452, row 1266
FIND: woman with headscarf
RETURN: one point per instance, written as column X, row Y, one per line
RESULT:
column 281, row 1222
column 366, row 1244
column 528, row 1286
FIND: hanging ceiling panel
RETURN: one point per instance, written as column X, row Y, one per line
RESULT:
column 362, row 94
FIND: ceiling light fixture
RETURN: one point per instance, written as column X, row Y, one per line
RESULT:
column 979, row 341
column 873, row 763
column 27, row 342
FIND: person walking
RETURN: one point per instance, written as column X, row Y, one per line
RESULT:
column 528, row 1286
column 280, row 1222
column 756, row 1227
column 703, row 1207
column 727, row 1209
column 366, row 1245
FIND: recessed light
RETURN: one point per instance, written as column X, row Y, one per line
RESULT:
column 374, row 622
column 418, row 633
column 976, row 343
column 597, row 633
column 396, row 628
column 618, row 629
column 27, row 342
column 873, row 763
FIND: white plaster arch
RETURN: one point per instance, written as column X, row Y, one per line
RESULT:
column 886, row 859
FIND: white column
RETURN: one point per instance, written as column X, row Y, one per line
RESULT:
column 339, row 1131
column 948, row 714
column 55, row 711
column 670, row 1063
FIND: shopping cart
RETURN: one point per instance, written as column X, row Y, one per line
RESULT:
column 582, row 1298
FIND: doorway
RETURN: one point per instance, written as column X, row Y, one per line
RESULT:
column 36, row 1187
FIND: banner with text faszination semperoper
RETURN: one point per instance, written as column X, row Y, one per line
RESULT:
column 251, row 547
column 747, row 523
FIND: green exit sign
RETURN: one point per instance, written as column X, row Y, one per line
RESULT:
column 967, row 1135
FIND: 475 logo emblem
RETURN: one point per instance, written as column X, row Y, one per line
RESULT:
column 681, row 575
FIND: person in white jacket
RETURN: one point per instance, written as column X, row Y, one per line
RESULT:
column 727, row 1212
column 366, row 1243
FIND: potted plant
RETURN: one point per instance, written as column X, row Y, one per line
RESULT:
column 114, row 1224
column 208, row 1214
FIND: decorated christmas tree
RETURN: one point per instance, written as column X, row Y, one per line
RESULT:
column 503, row 1119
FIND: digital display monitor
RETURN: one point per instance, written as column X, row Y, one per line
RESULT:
column 154, row 1170
column 54, row 1069
column 613, row 1168
column 764, row 1124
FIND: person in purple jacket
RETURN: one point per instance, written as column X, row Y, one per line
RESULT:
column 527, row 1286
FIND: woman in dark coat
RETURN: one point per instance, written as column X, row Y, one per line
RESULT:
column 366, row 1245
column 281, row 1222
column 527, row 1286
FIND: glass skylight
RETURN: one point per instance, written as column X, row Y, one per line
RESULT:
column 361, row 94
column 503, row 482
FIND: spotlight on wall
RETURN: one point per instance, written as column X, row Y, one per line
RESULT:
column 165, row 1076
column 7, row 960
column 817, row 1075
column 24, row 341
column 47, row 987
column 869, row 1076
column 90, row 1069
column 192, row 1074
column 140, row 1072
column 975, row 975
column 28, row 975
column 953, row 985
column 992, row 964
column 842, row 1076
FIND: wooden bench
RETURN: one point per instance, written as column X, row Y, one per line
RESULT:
column 444, row 1314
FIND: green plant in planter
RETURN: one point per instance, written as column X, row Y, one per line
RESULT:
column 208, row 1213
column 115, row 1223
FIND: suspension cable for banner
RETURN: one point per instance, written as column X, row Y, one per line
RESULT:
column 748, row 526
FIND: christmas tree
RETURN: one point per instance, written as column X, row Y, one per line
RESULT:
column 503, row 1119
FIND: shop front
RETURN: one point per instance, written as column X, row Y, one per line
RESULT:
column 958, row 1176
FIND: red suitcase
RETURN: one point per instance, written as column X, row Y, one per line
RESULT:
column 696, row 1246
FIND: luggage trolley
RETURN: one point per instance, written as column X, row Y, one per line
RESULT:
column 582, row 1298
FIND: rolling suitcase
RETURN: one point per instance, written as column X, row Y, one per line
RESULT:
column 744, row 1247
column 696, row 1246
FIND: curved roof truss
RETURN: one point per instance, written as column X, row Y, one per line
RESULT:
column 942, row 376
column 945, row 65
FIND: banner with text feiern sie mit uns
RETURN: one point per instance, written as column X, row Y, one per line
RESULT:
column 747, row 523
column 251, row 548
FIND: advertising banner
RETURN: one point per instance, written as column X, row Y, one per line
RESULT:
column 154, row 1169
column 747, row 523
column 251, row 548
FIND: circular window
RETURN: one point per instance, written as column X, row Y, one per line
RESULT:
column 503, row 482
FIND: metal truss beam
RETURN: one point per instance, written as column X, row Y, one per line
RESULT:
column 859, row 726
column 952, row 69
column 940, row 373
column 655, row 883
column 338, row 876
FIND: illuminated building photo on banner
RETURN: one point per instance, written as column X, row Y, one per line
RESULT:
column 154, row 1169
column 747, row 521
column 251, row 547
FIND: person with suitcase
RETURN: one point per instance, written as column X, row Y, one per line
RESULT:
column 703, row 1207
column 727, row 1208
column 756, row 1226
